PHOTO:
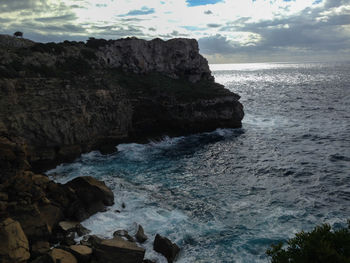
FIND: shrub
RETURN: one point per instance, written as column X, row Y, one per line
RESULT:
column 18, row 34
column 321, row 245
column 96, row 43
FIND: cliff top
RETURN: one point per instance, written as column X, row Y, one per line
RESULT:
column 175, row 58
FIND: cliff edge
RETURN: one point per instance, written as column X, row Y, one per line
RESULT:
column 62, row 99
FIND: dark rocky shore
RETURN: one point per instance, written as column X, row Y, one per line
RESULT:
column 60, row 100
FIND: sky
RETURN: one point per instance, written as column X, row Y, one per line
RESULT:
column 228, row 31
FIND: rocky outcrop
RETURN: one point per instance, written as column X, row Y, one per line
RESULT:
column 140, row 234
column 14, row 247
column 92, row 196
column 60, row 100
column 164, row 246
column 174, row 58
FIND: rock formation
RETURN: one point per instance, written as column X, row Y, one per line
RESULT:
column 64, row 99
column 59, row 100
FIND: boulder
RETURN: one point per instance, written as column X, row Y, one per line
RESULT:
column 123, row 233
column 72, row 226
column 14, row 246
column 81, row 231
column 118, row 250
column 140, row 234
column 81, row 252
column 92, row 196
column 62, row 256
column 67, row 226
column 164, row 246
column 34, row 225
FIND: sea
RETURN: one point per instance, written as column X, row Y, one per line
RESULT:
column 227, row 195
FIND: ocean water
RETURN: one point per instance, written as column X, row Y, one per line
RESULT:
column 225, row 196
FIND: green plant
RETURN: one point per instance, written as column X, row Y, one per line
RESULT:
column 321, row 245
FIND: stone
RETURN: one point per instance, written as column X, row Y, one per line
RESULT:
column 81, row 231
column 68, row 239
column 93, row 196
column 68, row 226
column 123, row 233
column 62, row 256
column 140, row 234
column 90, row 241
column 82, row 253
column 118, row 250
column 34, row 225
column 164, row 246
column 14, row 246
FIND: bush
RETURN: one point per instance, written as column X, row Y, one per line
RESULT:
column 96, row 43
column 322, row 245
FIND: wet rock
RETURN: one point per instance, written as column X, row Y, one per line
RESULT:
column 68, row 239
column 123, row 233
column 62, row 256
column 164, row 246
column 81, row 231
column 93, row 196
column 67, row 226
column 148, row 261
column 91, row 241
column 81, row 252
column 140, row 234
column 14, row 246
column 118, row 250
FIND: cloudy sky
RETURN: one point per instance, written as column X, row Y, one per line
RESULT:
column 227, row 30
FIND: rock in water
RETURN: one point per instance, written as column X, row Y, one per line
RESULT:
column 140, row 234
column 117, row 250
column 164, row 246
column 93, row 196
column 14, row 245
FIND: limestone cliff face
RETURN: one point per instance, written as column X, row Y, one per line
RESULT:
column 174, row 58
column 64, row 99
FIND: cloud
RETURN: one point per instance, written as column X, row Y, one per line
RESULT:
column 13, row 5
column 56, row 18
column 202, row 2
column 215, row 45
column 213, row 25
column 233, row 29
column 143, row 11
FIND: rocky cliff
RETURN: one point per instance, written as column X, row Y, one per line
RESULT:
column 59, row 100
column 67, row 98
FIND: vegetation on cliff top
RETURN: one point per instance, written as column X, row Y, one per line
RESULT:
column 321, row 245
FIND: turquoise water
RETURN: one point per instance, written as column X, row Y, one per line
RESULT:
column 225, row 196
